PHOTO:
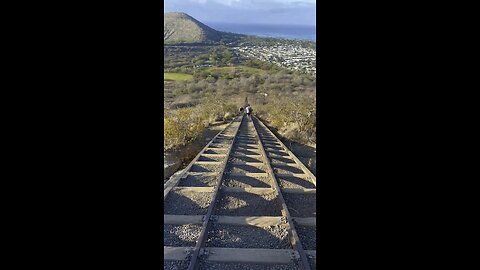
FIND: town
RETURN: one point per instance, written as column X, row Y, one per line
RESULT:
column 297, row 58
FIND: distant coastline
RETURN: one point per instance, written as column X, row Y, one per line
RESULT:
column 299, row 32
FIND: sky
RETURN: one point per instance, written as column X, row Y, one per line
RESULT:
column 280, row 12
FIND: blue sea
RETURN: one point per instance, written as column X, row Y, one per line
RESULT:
column 263, row 30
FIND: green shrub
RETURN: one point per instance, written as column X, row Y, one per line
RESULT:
column 186, row 124
column 293, row 117
column 182, row 128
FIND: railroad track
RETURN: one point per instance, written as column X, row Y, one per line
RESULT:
column 244, row 202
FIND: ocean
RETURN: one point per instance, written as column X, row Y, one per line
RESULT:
column 262, row 30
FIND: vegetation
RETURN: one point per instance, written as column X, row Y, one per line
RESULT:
column 289, row 105
column 177, row 77
column 206, row 82
column 293, row 117
column 186, row 124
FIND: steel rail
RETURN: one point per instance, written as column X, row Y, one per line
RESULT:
column 201, row 239
column 295, row 240
column 292, row 156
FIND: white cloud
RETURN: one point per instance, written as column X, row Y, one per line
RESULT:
column 228, row 2
column 252, row 3
column 258, row 11
column 194, row 1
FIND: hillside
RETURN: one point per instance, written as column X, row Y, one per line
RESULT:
column 181, row 28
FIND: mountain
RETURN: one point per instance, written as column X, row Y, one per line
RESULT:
column 179, row 27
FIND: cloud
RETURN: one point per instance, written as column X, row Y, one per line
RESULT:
column 245, row 3
column 264, row 4
column 228, row 2
column 193, row 1
column 247, row 11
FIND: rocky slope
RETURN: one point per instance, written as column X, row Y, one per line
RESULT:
column 181, row 28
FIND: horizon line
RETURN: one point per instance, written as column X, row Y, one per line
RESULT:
column 262, row 23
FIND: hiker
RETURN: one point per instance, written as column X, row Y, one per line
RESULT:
column 249, row 110
column 241, row 110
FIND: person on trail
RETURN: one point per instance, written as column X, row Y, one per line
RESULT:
column 249, row 110
column 241, row 110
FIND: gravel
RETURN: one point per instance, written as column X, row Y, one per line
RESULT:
column 220, row 145
column 271, row 147
column 175, row 265
column 249, row 140
column 198, row 181
column 246, row 141
column 214, row 151
column 244, row 136
column 181, row 235
column 301, row 205
column 180, row 202
column 245, row 169
column 276, row 153
column 245, row 159
column 312, row 262
column 222, row 140
column 246, row 152
column 217, row 145
column 287, row 170
column 244, row 147
column 237, row 266
column 308, row 236
column 210, row 158
column 295, row 182
column 266, row 136
column 281, row 159
column 246, row 182
column 271, row 143
column 205, row 168
column 247, row 204
column 230, row 236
